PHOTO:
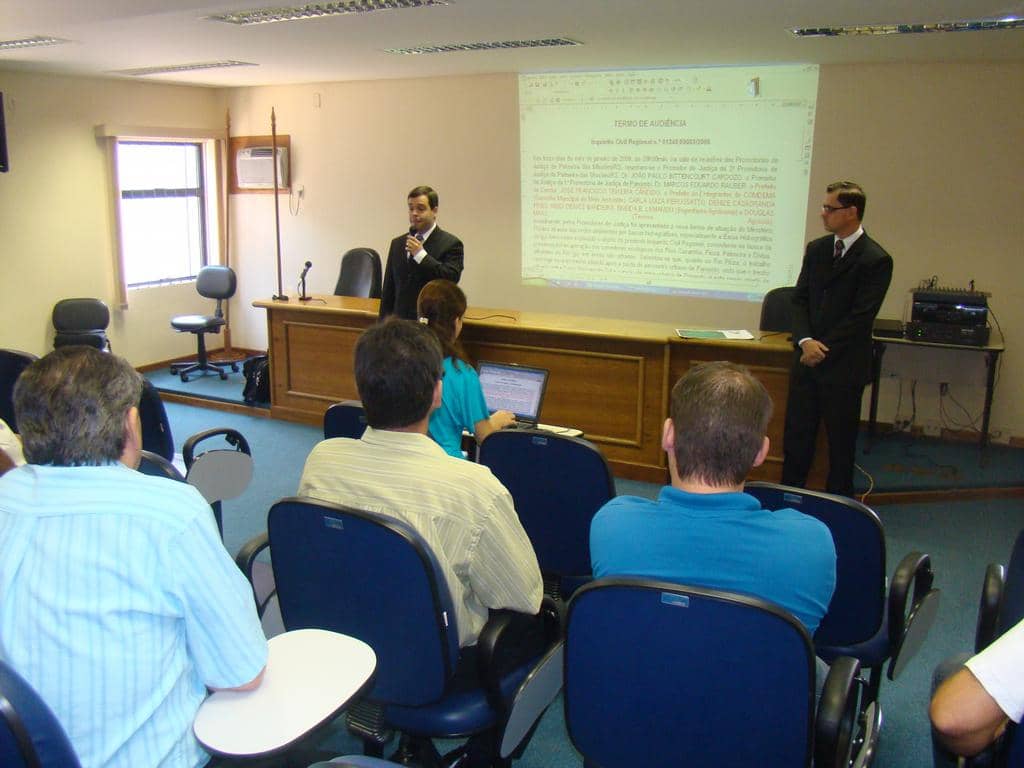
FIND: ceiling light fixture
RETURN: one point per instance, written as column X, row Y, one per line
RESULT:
column 36, row 41
column 143, row 71
column 976, row 25
column 319, row 10
column 548, row 42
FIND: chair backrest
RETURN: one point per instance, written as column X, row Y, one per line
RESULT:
column 81, row 321
column 558, row 484
column 858, row 604
column 216, row 282
column 371, row 577
column 777, row 310
column 156, row 427
column 1011, row 610
column 12, row 363
column 345, row 419
column 360, row 274
column 660, row 674
column 30, row 735
column 154, row 464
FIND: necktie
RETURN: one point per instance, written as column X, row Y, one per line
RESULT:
column 838, row 254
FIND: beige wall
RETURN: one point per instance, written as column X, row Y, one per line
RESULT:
column 938, row 147
column 55, row 227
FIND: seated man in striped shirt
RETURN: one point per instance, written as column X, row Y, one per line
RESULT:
column 118, row 601
column 463, row 512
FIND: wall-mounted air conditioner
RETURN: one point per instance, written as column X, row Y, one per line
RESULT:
column 254, row 168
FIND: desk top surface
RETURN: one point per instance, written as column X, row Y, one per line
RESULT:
column 995, row 343
column 311, row 675
column 542, row 322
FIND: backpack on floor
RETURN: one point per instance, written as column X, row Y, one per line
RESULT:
column 256, row 371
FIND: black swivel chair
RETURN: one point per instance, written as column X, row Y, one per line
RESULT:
column 864, row 620
column 156, row 427
column 12, row 363
column 213, row 282
column 81, row 321
column 777, row 310
column 558, row 484
column 360, row 274
column 373, row 577
column 345, row 419
column 30, row 734
column 662, row 675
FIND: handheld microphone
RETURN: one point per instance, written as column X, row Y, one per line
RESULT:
column 302, row 282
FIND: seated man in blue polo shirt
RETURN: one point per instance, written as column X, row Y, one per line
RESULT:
column 703, row 530
column 118, row 601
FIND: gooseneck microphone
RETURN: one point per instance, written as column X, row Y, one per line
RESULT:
column 302, row 282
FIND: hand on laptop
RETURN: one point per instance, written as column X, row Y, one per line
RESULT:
column 502, row 419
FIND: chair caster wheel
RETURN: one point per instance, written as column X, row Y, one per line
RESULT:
column 234, row 367
column 184, row 378
column 223, row 376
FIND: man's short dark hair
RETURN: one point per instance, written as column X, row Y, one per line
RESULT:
column 720, row 413
column 71, row 405
column 850, row 193
column 424, row 190
column 398, row 364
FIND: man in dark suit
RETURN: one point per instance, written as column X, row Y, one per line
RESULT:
column 841, row 286
column 426, row 252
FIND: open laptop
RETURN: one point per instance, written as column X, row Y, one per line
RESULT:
column 515, row 388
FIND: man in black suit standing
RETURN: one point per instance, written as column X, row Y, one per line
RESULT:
column 841, row 286
column 426, row 252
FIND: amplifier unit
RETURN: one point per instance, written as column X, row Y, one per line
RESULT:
column 948, row 333
column 949, row 316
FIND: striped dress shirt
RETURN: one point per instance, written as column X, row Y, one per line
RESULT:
column 465, row 515
column 119, row 604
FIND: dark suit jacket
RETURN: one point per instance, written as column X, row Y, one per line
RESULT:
column 404, row 278
column 838, row 306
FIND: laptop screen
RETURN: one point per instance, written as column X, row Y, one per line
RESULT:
column 515, row 388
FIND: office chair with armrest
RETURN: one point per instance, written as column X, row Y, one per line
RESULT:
column 212, row 282
column 345, row 419
column 1001, row 607
column 863, row 620
column 156, row 427
column 663, row 674
column 12, row 363
column 374, row 578
column 30, row 734
column 777, row 310
column 558, row 484
column 360, row 274
column 81, row 321
column 218, row 473
column 156, row 465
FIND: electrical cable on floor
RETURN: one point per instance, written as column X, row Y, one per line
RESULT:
column 871, row 482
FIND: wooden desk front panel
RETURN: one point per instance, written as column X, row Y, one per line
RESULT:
column 611, row 388
column 311, row 356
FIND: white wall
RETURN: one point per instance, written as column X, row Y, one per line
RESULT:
column 55, row 225
column 937, row 146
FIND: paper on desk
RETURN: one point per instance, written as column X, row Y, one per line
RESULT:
column 689, row 333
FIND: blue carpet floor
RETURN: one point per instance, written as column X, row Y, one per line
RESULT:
column 961, row 537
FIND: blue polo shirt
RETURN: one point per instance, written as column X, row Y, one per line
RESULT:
column 720, row 541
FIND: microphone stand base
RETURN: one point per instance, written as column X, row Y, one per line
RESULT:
column 282, row 297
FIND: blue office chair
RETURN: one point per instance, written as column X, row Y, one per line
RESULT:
column 212, row 282
column 345, row 419
column 360, row 274
column 660, row 674
column 1001, row 607
column 863, row 621
column 12, row 363
column 373, row 577
column 30, row 735
column 558, row 484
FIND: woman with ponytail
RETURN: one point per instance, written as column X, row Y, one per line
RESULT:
column 440, row 306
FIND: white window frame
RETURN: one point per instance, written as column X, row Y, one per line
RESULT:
column 212, row 143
